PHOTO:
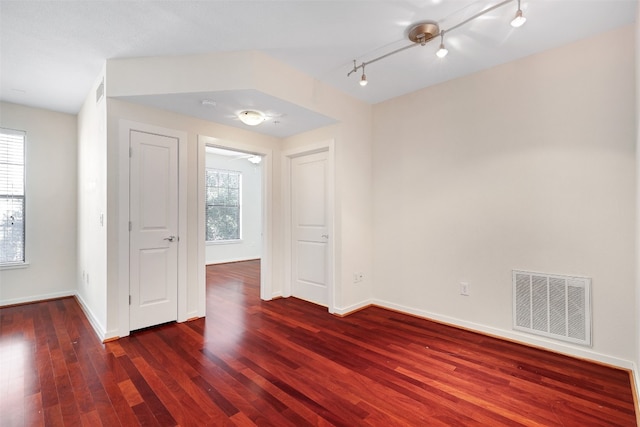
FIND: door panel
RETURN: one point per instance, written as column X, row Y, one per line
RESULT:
column 310, row 227
column 154, row 227
column 148, row 261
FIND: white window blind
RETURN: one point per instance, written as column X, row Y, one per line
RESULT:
column 12, row 196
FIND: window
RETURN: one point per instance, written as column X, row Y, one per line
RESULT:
column 223, row 205
column 12, row 180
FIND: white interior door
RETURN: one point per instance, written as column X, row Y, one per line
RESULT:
column 310, row 231
column 153, row 240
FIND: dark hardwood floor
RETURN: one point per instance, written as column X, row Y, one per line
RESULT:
column 289, row 363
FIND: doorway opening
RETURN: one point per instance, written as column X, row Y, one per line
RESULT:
column 233, row 206
column 233, row 191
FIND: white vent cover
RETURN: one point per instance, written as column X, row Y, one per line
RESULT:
column 553, row 306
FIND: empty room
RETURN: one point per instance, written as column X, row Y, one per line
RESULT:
column 291, row 213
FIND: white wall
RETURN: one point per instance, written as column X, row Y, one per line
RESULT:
column 353, row 221
column 93, row 218
column 50, row 205
column 353, row 240
column 249, row 247
column 637, row 251
column 529, row 165
column 226, row 71
column 223, row 135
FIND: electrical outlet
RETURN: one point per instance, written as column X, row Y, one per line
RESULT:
column 358, row 277
column 464, row 289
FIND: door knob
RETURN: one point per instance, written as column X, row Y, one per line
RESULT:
column 170, row 238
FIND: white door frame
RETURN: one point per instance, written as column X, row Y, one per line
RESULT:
column 266, row 262
column 126, row 127
column 287, row 157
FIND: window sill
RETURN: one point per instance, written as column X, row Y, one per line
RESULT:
column 223, row 242
column 14, row 266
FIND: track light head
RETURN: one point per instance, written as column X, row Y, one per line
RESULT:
column 363, row 79
column 519, row 20
column 442, row 51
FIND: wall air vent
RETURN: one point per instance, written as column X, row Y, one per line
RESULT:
column 552, row 306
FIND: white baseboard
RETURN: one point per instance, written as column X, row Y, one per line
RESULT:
column 93, row 320
column 37, row 298
column 511, row 336
column 191, row 315
column 353, row 307
column 230, row 260
column 274, row 295
column 635, row 388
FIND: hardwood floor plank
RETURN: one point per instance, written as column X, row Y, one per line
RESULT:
column 289, row 363
column 145, row 416
column 130, row 392
column 177, row 376
column 214, row 383
column 81, row 392
column 109, row 402
column 288, row 384
column 296, row 412
column 91, row 419
column 182, row 374
column 48, row 390
column 33, row 413
column 218, row 399
column 53, row 416
column 148, row 394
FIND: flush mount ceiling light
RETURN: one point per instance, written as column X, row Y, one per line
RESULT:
column 251, row 118
column 255, row 159
column 420, row 34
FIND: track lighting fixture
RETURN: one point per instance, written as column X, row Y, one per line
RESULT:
column 442, row 51
column 519, row 20
column 363, row 79
column 421, row 33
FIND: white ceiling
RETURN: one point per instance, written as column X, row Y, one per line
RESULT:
column 52, row 51
column 282, row 118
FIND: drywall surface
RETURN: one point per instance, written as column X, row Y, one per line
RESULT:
column 51, row 192
column 252, row 70
column 220, row 135
column 529, row 165
column 93, row 217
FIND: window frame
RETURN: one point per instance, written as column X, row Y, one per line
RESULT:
column 239, row 206
column 4, row 265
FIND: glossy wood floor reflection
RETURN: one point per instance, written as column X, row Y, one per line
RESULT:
column 289, row 363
